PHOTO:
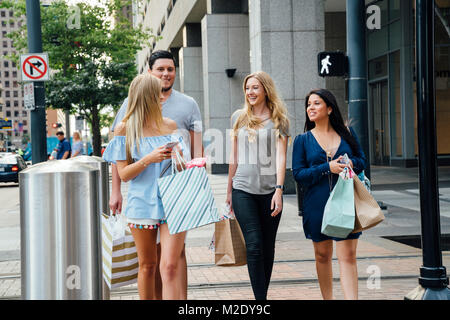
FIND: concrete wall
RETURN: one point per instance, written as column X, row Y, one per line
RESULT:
column 285, row 37
column 336, row 40
column 225, row 44
column 191, row 75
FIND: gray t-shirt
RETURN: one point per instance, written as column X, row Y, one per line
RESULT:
column 256, row 172
column 180, row 108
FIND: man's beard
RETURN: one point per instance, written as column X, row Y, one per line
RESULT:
column 166, row 89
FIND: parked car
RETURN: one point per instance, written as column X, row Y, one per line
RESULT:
column 10, row 166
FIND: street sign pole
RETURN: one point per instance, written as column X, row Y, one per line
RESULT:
column 38, row 118
column 433, row 278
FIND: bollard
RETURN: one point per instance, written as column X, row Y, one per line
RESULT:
column 60, row 232
column 103, row 166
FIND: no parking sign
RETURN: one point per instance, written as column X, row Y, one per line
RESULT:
column 34, row 67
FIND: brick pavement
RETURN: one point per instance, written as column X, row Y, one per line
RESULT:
column 294, row 275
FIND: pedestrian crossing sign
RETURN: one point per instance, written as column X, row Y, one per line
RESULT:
column 332, row 64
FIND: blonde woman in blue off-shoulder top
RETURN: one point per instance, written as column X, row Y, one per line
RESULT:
column 138, row 149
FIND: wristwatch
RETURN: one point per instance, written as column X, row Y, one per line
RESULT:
column 278, row 186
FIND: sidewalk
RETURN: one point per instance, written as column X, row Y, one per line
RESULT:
column 294, row 275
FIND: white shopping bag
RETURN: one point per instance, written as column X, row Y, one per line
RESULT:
column 120, row 261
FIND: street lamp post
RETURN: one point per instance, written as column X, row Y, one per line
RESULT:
column 38, row 118
column 357, row 74
column 433, row 279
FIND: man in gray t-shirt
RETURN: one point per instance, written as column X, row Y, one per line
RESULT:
column 180, row 108
column 186, row 113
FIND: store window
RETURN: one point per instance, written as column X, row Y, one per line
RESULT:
column 442, row 67
column 395, row 105
column 378, row 68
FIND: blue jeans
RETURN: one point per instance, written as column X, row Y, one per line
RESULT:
column 260, row 230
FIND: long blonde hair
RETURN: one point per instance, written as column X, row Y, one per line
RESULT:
column 76, row 136
column 144, row 109
column 278, row 110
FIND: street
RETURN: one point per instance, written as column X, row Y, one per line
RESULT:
column 9, row 221
column 294, row 274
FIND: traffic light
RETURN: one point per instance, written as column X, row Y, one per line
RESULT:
column 56, row 125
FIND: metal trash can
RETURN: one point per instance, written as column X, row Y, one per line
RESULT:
column 60, row 230
column 103, row 166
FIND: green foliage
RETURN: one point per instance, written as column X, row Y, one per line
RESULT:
column 91, row 53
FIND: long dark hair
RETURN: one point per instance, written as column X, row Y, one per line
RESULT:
column 336, row 120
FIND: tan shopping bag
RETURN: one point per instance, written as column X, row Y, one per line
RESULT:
column 368, row 212
column 229, row 244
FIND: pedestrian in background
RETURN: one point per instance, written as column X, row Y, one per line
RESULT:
column 139, row 152
column 77, row 148
column 256, row 174
column 63, row 149
column 316, row 164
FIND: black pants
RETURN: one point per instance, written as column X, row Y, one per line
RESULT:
column 260, row 230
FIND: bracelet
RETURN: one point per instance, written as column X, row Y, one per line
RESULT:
column 143, row 163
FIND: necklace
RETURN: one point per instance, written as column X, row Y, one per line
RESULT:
column 329, row 155
column 329, row 147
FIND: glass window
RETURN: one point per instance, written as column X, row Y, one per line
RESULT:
column 378, row 68
column 442, row 67
column 377, row 42
column 394, row 9
column 384, row 11
column 395, row 106
column 395, row 34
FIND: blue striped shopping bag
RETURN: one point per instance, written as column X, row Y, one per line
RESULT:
column 187, row 200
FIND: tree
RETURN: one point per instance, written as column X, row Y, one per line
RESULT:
column 91, row 52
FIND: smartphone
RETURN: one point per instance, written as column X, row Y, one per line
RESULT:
column 170, row 145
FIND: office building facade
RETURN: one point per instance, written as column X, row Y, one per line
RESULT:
column 283, row 38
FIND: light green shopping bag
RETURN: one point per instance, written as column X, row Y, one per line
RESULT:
column 339, row 214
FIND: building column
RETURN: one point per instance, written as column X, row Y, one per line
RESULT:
column 190, row 59
column 285, row 38
column 175, row 52
column 225, row 45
